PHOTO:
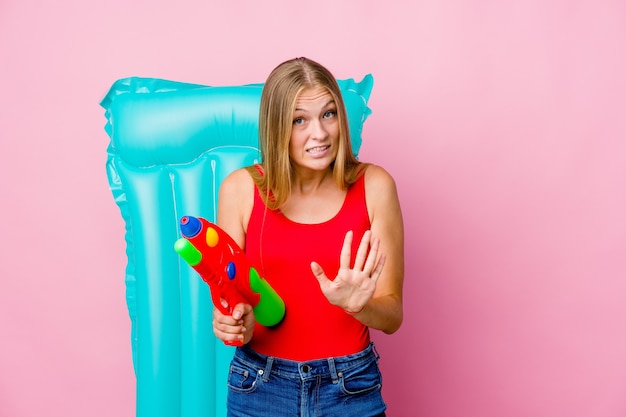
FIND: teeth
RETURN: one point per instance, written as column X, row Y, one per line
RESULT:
column 318, row 149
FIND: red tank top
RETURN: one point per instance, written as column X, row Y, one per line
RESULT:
column 282, row 251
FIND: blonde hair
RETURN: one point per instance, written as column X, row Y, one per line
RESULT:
column 278, row 101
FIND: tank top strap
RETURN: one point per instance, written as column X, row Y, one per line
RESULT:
column 259, row 168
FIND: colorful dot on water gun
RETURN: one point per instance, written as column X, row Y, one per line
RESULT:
column 212, row 237
column 231, row 270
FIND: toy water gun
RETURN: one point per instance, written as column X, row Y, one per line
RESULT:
column 224, row 267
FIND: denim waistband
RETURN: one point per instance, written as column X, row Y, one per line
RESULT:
column 329, row 367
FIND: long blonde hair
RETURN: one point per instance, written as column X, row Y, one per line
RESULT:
column 278, row 101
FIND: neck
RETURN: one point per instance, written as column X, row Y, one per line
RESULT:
column 310, row 181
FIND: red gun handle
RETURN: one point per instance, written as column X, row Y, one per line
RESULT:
column 217, row 302
column 228, row 311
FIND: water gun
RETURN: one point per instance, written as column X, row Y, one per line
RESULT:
column 222, row 264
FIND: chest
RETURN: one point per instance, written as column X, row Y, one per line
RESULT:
column 314, row 208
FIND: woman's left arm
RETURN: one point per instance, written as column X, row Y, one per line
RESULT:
column 384, row 310
column 371, row 290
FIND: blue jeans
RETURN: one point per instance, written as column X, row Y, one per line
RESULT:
column 264, row 386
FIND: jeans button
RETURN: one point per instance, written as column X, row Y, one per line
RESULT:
column 306, row 368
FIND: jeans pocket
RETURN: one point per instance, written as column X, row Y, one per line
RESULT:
column 362, row 379
column 242, row 379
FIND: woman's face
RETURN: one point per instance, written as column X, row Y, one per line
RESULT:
column 315, row 131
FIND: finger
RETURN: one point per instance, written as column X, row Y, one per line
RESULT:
column 317, row 270
column 241, row 309
column 346, row 251
column 222, row 320
column 229, row 336
column 361, row 254
column 226, row 324
column 228, row 330
column 227, row 333
column 319, row 274
column 372, row 257
column 379, row 268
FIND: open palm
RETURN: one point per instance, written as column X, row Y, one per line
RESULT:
column 353, row 287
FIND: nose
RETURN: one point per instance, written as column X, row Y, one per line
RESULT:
column 318, row 130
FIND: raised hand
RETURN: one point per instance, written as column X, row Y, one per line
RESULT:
column 353, row 287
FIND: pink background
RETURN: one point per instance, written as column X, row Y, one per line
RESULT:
column 504, row 123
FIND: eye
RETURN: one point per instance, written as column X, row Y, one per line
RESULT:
column 298, row 121
column 330, row 114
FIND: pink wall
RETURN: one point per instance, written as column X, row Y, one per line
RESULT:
column 502, row 121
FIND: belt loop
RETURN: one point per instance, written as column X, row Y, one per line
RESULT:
column 376, row 354
column 333, row 371
column 268, row 368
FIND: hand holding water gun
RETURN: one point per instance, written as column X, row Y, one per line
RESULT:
column 222, row 264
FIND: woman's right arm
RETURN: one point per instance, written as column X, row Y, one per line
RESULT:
column 236, row 198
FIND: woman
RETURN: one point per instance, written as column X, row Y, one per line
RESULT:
column 326, row 232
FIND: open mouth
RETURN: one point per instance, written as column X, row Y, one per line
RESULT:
column 318, row 149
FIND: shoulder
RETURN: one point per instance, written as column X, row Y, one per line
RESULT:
column 235, row 203
column 238, row 181
column 239, row 176
column 381, row 194
column 378, row 181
